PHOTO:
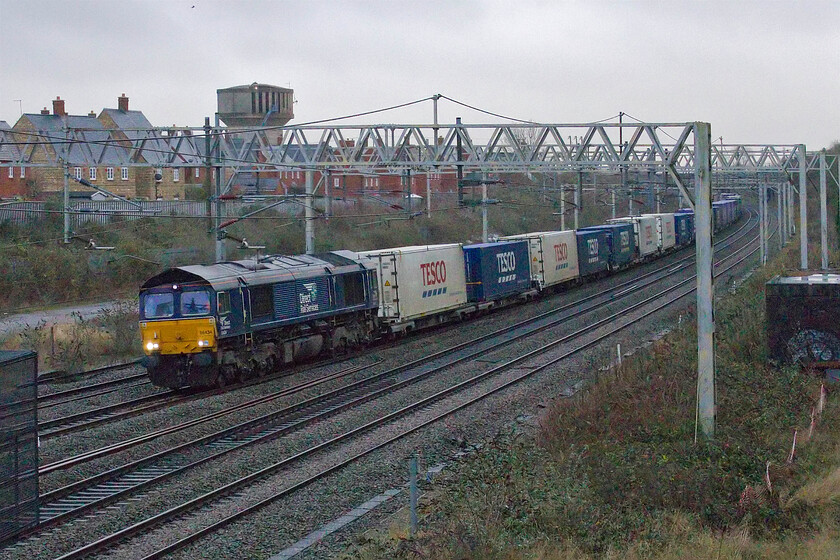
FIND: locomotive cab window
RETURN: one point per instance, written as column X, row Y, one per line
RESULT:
column 195, row 302
column 157, row 306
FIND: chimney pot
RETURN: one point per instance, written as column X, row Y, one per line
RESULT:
column 58, row 107
column 45, row 111
column 92, row 114
column 122, row 103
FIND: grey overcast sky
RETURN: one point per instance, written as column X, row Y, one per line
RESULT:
column 758, row 71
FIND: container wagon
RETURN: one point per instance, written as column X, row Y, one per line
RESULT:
column 593, row 251
column 622, row 243
column 496, row 271
column 644, row 232
column 553, row 257
column 665, row 230
column 684, row 228
column 419, row 286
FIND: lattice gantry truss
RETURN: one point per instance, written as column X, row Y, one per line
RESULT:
column 389, row 148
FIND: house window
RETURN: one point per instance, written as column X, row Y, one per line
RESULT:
column 22, row 172
column 124, row 173
column 336, row 182
column 197, row 172
column 92, row 174
column 109, row 173
column 176, row 175
column 11, row 173
column 78, row 173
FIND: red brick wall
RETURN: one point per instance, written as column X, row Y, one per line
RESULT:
column 15, row 186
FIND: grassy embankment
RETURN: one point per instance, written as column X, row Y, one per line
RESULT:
column 41, row 271
column 615, row 472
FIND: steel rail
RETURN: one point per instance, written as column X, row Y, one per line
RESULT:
column 57, row 508
column 72, row 461
column 254, row 476
column 182, row 543
column 10, row 408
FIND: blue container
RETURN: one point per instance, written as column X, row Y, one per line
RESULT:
column 496, row 270
column 718, row 216
column 593, row 247
column 622, row 244
column 684, row 228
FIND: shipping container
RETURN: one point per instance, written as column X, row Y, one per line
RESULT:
column 553, row 256
column 802, row 325
column 684, row 228
column 622, row 243
column 593, row 251
column 496, row 270
column 717, row 217
column 418, row 282
column 665, row 230
column 644, row 231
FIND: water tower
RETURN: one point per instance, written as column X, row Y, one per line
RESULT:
column 255, row 105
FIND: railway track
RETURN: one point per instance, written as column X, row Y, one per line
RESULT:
column 55, row 398
column 128, row 479
column 119, row 411
column 257, row 490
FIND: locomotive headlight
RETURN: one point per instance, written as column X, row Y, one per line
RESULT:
column 152, row 346
column 204, row 343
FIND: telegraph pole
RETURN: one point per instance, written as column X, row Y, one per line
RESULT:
column 460, row 166
column 823, row 212
column 485, row 233
column 208, row 171
column 705, row 281
column 220, row 235
column 782, row 237
column 310, row 214
column 66, row 185
column 803, row 208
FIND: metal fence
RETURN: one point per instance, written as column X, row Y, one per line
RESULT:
column 107, row 211
column 18, row 442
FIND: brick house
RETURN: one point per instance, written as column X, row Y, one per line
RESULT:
column 46, row 133
column 13, row 180
column 123, row 124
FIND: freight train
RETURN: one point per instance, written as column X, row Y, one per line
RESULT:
column 212, row 325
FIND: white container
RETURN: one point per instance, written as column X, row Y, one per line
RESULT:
column 420, row 281
column 553, row 255
column 665, row 229
column 644, row 228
